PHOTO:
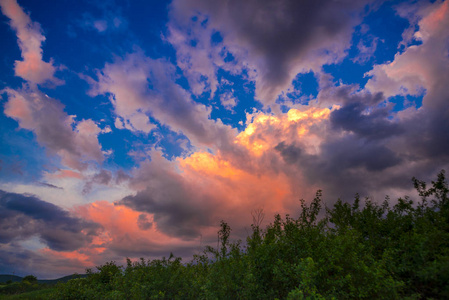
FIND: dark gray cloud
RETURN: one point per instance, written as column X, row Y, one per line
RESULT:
column 349, row 153
column 370, row 148
column 336, row 171
column 174, row 214
column 428, row 135
column 281, row 38
column 121, row 176
column 143, row 222
column 23, row 216
column 178, row 209
column 372, row 125
column 50, row 185
column 19, row 261
column 103, row 177
column 290, row 153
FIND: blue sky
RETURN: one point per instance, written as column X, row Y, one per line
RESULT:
column 142, row 124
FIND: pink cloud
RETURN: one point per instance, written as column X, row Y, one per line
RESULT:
column 20, row 109
column 122, row 232
column 32, row 68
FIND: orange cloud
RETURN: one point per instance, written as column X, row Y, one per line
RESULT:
column 264, row 180
column 81, row 258
column 266, row 131
column 232, row 188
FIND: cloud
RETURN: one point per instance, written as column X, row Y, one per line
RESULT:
column 50, row 185
column 371, row 144
column 409, row 141
column 140, row 87
column 103, row 177
column 32, row 68
column 24, row 216
column 143, row 222
column 121, row 176
column 187, row 196
column 128, row 233
column 228, row 100
column 45, row 116
column 196, row 56
column 366, row 121
column 108, row 17
column 366, row 47
column 419, row 67
column 264, row 131
column 274, row 40
column 421, row 70
column 178, row 209
column 287, row 157
column 65, row 174
column 21, row 261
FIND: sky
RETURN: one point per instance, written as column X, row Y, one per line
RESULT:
column 132, row 128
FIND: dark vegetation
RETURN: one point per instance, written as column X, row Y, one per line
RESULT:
column 14, row 287
column 9, row 278
column 13, row 278
column 29, row 287
column 362, row 250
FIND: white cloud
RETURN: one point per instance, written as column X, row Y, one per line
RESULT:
column 139, row 86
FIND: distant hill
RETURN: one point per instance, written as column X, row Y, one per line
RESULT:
column 14, row 278
column 62, row 279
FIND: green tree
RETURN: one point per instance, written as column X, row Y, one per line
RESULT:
column 30, row 278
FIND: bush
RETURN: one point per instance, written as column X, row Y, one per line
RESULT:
column 30, row 279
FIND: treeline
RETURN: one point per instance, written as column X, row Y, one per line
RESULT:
column 362, row 250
